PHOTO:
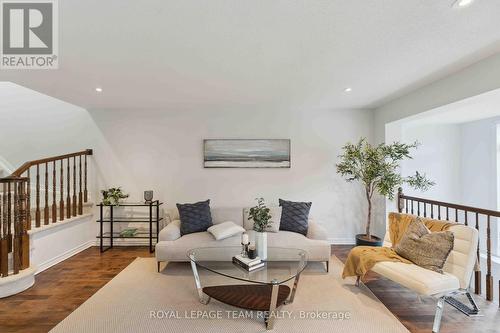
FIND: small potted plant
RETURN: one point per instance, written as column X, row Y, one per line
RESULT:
column 377, row 168
column 112, row 196
column 261, row 217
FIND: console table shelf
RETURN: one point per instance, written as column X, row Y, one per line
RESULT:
column 153, row 219
column 118, row 235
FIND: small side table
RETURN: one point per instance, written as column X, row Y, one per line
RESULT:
column 153, row 219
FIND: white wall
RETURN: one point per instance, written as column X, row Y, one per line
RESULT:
column 438, row 156
column 480, row 172
column 163, row 150
column 479, row 163
column 34, row 125
column 56, row 242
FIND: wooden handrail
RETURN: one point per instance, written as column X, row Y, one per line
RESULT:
column 471, row 209
column 46, row 177
column 407, row 203
column 23, row 168
column 11, row 179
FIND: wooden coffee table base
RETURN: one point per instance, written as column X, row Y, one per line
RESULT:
column 248, row 296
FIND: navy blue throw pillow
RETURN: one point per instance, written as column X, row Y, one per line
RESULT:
column 194, row 217
column 295, row 216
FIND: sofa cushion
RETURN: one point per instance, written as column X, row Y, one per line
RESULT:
column 317, row 250
column 316, row 231
column 416, row 278
column 294, row 216
column 224, row 214
column 177, row 250
column 275, row 212
column 194, row 217
column 171, row 232
column 425, row 249
column 225, row 229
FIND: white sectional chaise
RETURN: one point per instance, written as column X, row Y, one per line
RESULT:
column 172, row 247
column 457, row 270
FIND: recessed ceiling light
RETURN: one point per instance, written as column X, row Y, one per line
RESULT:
column 347, row 90
column 98, row 89
column 462, row 3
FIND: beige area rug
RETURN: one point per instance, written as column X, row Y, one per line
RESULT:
column 141, row 300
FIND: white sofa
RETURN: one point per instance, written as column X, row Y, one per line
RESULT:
column 172, row 247
column 457, row 275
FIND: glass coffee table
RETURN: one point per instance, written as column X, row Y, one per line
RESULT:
column 265, row 288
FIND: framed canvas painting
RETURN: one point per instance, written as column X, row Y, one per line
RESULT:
column 246, row 153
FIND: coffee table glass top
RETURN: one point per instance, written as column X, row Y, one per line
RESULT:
column 282, row 264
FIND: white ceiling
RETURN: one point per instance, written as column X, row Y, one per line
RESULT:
column 223, row 53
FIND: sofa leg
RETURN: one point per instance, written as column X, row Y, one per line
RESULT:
column 358, row 278
column 327, row 266
column 439, row 314
column 158, row 263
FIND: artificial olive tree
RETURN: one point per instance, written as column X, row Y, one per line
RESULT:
column 377, row 168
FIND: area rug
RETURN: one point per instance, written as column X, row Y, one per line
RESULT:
column 141, row 300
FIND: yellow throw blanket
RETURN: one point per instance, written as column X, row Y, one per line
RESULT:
column 362, row 258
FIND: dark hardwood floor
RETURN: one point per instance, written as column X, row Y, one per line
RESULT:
column 61, row 289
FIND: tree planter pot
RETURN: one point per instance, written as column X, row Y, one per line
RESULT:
column 261, row 244
column 362, row 241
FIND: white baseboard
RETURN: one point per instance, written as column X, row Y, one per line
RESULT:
column 342, row 241
column 49, row 263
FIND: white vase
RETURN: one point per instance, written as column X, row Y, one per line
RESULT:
column 261, row 244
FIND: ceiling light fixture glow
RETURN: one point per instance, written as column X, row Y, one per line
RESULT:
column 462, row 3
column 98, row 89
column 347, row 90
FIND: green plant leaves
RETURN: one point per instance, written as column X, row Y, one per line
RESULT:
column 260, row 215
column 377, row 167
column 113, row 195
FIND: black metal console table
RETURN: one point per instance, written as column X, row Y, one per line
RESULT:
column 152, row 219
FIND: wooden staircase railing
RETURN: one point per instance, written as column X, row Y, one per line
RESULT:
column 57, row 175
column 66, row 173
column 435, row 209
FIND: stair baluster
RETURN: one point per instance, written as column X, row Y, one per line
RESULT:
column 54, row 199
column 37, row 193
column 68, row 198
column 85, row 192
column 28, row 200
column 489, row 278
column 4, row 243
column 61, row 194
column 46, row 195
column 477, row 274
column 74, row 187
column 16, row 262
column 80, row 194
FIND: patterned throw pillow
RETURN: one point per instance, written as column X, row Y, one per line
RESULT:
column 194, row 217
column 294, row 216
column 424, row 248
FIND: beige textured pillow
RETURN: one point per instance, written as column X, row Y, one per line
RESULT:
column 424, row 248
